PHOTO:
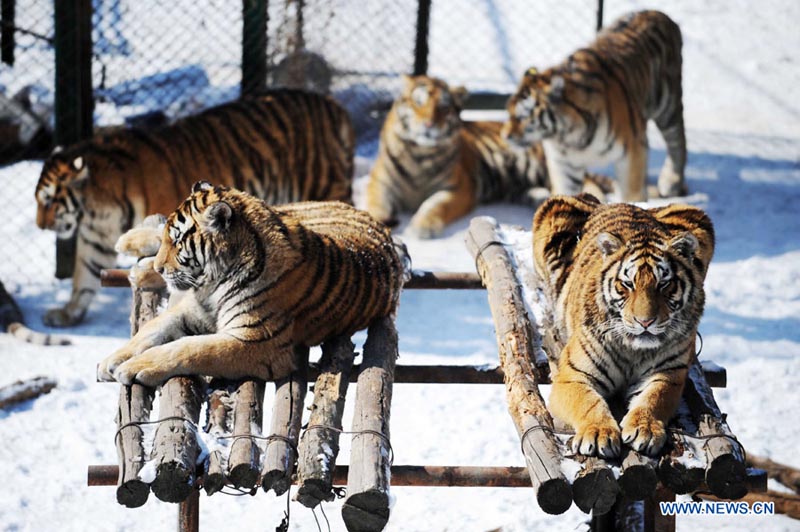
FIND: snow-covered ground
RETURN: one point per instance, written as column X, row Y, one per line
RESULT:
column 742, row 88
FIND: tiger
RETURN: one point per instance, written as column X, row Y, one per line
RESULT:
column 593, row 108
column 434, row 164
column 283, row 146
column 257, row 280
column 626, row 288
column 12, row 322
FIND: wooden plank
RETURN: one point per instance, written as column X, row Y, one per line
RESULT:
column 526, row 406
column 287, row 414
column 366, row 507
column 319, row 445
column 175, row 446
column 244, row 464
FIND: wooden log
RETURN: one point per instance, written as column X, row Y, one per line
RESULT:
column 726, row 472
column 319, row 445
column 513, row 328
column 21, row 391
column 637, row 478
column 594, row 489
column 133, row 408
column 117, row 278
column 366, row 507
column 683, row 467
column 287, row 414
column 175, row 447
column 218, row 426
column 785, row 503
column 786, row 475
column 244, row 464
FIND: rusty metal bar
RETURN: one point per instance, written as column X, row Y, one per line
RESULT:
column 117, row 278
column 189, row 513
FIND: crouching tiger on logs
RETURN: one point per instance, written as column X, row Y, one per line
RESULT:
column 593, row 108
column 626, row 288
column 259, row 280
column 434, row 164
column 283, row 146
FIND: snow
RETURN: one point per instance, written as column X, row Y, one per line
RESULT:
column 741, row 93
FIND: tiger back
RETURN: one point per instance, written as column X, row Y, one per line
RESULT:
column 432, row 163
column 592, row 109
column 283, row 146
column 259, row 280
column 626, row 288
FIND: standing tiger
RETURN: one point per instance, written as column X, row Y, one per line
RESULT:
column 432, row 163
column 283, row 146
column 259, row 280
column 593, row 108
column 626, row 288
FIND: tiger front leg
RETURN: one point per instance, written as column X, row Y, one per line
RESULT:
column 215, row 355
column 576, row 401
column 644, row 426
column 445, row 206
column 89, row 261
column 175, row 323
column 632, row 172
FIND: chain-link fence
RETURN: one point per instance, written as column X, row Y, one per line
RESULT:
column 72, row 67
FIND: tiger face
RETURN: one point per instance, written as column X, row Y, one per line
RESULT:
column 428, row 110
column 193, row 249
column 58, row 195
column 647, row 290
column 532, row 110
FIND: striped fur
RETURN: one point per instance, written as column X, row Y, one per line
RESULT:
column 432, row 163
column 593, row 108
column 626, row 286
column 12, row 322
column 259, row 280
column 283, row 146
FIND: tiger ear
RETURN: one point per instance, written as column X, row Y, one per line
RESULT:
column 685, row 244
column 608, row 243
column 201, row 186
column 78, row 165
column 556, row 90
column 459, row 95
column 217, row 217
column 532, row 72
column 57, row 149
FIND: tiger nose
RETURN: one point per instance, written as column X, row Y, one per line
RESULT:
column 646, row 322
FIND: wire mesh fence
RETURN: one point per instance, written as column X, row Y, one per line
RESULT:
column 151, row 62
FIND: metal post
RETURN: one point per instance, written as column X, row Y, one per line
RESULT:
column 73, row 109
column 599, row 15
column 421, row 45
column 7, row 33
column 254, row 46
column 189, row 513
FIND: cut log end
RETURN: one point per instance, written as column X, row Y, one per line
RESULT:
column 173, row 483
column 638, row 482
column 678, row 478
column 595, row 490
column 727, row 477
column 244, row 476
column 314, row 491
column 366, row 512
column 554, row 496
column 133, row 493
column 276, row 480
column 213, row 483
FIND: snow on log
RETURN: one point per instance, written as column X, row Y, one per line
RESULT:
column 513, row 328
column 20, row 391
column 244, row 464
column 319, row 445
column 683, row 468
column 287, row 414
column 175, row 447
column 367, row 505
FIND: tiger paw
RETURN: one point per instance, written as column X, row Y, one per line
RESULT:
column 107, row 367
column 148, row 369
column 642, row 432
column 424, row 229
column 61, row 317
column 602, row 439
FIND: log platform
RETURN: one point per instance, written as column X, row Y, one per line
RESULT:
column 243, row 450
